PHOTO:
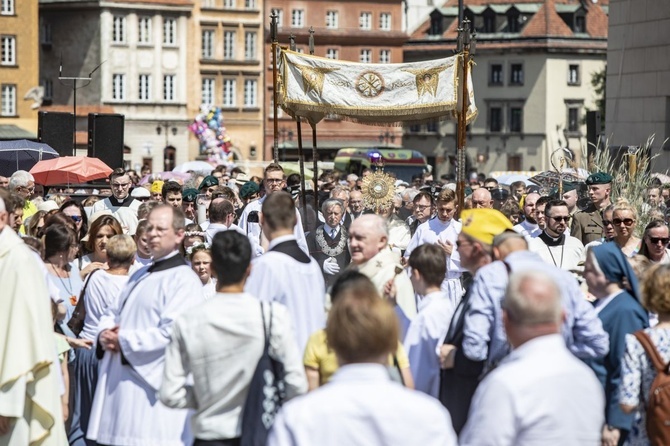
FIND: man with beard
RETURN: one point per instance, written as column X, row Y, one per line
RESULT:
column 587, row 225
column 121, row 184
column 554, row 245
column 529, row 227
column 328, row 244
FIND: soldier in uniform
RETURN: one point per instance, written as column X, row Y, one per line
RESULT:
column 587, row 225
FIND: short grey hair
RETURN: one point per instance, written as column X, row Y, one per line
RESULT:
column 20, row 178
column 338, row 190
column 530, row 307
column 410, row 194
column 332, row 202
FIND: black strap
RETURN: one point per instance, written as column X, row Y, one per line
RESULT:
column 266, row 332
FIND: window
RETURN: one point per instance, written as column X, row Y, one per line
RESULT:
column 169, row 32
column 208, row 44
column 208, row 3
column 144, row 90
column 580, row 23
column 7, row 7
column 118, row 29
column 573, row 74
column 574, row 116
column 495, row 119
column 250, row 4
column 384, row 56
column 250, row 87
column 432, row 127
column 280, row 16
column 332, row 19
column 229, row 4
column 119, row 87
column 144, row 30
column 45, row 34
column 229, row 45
column 515, row 119
column 366, row 56
column 332, row 53
column 208, row 91
column 365, row 21
column 436, row 28
column 496, row 77
column 48, row 86
column 489, row 21
column 250, row 46
column 8, row 100
column 297, row 18
column 385, row 21
column 516, row 74
column 8, row 53
column 513, row 21
column 169, row 86
column 229, row 92
column 414, row 128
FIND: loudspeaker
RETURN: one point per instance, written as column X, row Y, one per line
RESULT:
column 105, row 138
column 55, row 129
column 593, row 131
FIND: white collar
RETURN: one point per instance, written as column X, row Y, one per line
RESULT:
column 282, row 239
column 540, row 345
column 602, row 303
column 330, row 229
column 361, row 372
column 430, row 297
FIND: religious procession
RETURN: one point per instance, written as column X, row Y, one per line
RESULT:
column 213, row 307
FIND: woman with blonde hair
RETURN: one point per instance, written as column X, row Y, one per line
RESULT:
column 637, row 369
column 624, row 219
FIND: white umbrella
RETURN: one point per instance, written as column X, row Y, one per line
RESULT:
column 197, row 166
column 511, row 178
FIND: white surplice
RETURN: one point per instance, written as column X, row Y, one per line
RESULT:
column 299, row 286
column 254, row 229
column 126, row 410
column 425, row 334
column 214, row 228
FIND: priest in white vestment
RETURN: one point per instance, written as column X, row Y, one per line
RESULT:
column 30, row 384
column 287, row 275
column 133, row 335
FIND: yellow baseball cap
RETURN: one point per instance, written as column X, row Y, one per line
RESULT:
column 484, row 224
column 157, row 187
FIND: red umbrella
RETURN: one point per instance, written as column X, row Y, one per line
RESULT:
column 69, row 170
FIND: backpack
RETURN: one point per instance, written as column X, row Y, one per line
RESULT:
column 658, row 406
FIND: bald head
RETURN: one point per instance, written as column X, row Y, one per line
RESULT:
column 507, row 243
column 481, row 198
column 368, row 235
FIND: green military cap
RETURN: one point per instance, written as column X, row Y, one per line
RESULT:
column 209, row 181
column 189, row 195
column 567, row 186
column 248, row 189
column 599, row 178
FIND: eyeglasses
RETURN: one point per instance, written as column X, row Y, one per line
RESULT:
column 29, row 189
column 273, row 180
column 561, row 218
column 75, row 218
column 607, row 222
column 420, row 208
column 655, row 240
column 120, row 185
column 625, row 221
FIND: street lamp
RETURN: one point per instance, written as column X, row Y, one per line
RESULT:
column 166, row 125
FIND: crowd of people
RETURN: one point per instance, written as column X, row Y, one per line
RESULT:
column 222, row 307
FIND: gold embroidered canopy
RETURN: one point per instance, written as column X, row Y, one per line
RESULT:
column 382, row 94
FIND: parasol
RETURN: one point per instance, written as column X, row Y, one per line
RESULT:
column 22, row 154
column 69, row 170
column 196, row 166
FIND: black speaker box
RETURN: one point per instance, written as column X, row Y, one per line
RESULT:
column 55, row 129
column 105, row 138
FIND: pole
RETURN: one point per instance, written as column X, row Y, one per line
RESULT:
column 315, row 153
column 273, row 36
column 74, row 119
column 301, row 154
column 464, row 43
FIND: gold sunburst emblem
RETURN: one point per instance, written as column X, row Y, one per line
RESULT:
column 378, row 190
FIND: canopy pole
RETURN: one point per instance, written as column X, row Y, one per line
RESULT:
column 301, row 154
column 273, row 36
column 315, row 153
column 463, row 43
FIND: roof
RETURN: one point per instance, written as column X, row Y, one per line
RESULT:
column 146, row 2
column 10, row 131
column 544, row 21
column 82, row 110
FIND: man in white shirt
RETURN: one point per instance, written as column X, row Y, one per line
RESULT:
column 285, row 273
column 429, row 327
column 133, row 335
column 553, row 244
column 540, row 393
column 529, row 227
column 220, row 343
column 121, row 184
column 221, row 217
column 361, row 405
column 273, row 181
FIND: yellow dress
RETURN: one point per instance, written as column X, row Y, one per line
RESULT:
column 318, row 356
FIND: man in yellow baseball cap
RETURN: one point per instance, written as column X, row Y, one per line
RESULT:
column 157, row 190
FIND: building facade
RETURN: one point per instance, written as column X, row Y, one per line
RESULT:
column 369, row 31
column 532, row 80
column 19, row 68
column 638, row 77
column 227, row 52
column 136, row 54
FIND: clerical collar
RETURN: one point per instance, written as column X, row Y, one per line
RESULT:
column 172, row 260
column 551, row 241
column 126, row 202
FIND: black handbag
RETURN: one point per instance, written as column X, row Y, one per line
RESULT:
column 76, row 322
column 267, row 393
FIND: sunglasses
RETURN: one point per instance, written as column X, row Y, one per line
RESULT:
column 561, row 218
column 75, row 218
column 655, row 240
column 625, row 221
column 607, row 222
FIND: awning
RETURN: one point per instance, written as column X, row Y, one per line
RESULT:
column 9, row 131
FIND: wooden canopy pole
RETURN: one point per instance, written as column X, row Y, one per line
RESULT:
column 273, row 36
column 463, row 44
